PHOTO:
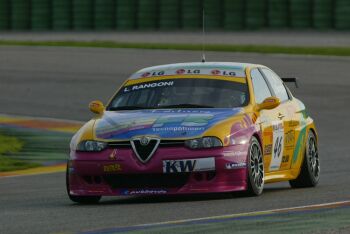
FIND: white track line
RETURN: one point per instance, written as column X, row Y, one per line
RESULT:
column 322, row 205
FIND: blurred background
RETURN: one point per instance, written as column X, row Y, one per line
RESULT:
column 129, row 15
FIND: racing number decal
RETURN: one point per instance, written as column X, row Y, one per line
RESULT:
column 278, row 145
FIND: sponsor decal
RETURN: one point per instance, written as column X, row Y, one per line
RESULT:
column 285, row 159
column 143, row 191
column 268, row 149
column 112, row 168
column 215, row 72
column 192, row 120
column 177, row 129
column 147, row 74
column 234, row 153
column 232, row 71
column 289, row 138
column 164, row 123
column 154, row 73
column 233, row 165
column 189, row 71
column 180, row 71
column 293, row 124
column 148, row 85
column 223, row 73
column 189, row 165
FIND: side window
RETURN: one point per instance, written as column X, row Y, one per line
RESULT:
column 276, row 84
column 261, row 90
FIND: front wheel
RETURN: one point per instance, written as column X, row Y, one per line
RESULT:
column 310, row 170
column 80, row 199
column 255, row 168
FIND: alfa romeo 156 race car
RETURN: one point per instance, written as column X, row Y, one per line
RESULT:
column 194, row 128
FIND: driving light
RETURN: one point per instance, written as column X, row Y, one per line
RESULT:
column 91, row 146
column 205, row 142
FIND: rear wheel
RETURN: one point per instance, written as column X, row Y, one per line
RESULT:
column 255, row 169
column 80, row 199
column 310, row 170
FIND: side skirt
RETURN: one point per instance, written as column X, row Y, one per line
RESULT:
column 278, row 176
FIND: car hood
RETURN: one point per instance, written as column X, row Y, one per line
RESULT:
column 172, row 123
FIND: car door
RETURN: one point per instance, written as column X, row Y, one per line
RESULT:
column 282, row 125
column 267, row 121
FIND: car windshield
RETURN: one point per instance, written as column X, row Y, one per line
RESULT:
column 181, row 93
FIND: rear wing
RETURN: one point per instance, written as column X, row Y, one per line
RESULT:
column 291, row 80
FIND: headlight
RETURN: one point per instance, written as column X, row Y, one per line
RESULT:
column 205, row 142
column 91, row 146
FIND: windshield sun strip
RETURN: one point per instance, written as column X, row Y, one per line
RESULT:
column 241, row 80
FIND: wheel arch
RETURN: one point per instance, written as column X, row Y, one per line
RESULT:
column 258, row 137
column 313, row 130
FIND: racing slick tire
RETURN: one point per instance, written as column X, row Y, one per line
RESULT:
column 255, row 166
column 80, row 199
column 310, row 169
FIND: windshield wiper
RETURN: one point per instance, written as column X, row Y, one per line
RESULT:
column 127, row 108
column 185, row 105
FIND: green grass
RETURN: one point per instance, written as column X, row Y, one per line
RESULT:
column 9, row 164
column 266, row 49
column 11, row 145
column 23, row 148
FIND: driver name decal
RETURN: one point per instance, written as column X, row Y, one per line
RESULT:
column 148, row 85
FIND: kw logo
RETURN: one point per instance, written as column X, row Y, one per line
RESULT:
column 175, row 166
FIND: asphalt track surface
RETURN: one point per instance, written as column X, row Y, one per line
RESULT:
column 59, row 82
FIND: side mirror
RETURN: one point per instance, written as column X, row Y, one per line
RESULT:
column 96, row 107
column 269, row 103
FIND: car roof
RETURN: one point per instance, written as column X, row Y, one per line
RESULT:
column 205, row 68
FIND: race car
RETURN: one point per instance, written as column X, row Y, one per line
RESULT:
column 193, row 128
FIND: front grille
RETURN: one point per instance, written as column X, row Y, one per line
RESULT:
column 147, row 180
column 145, row 151
column 163, row 143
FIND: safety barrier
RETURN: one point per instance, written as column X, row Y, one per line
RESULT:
column 125, row 14
column 233, row 14
column 61, row 15
column 342, row 14
column 278, row 13
column 88, row 15
column 191, row 14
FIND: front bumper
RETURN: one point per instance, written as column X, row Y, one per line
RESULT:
column 119, row 172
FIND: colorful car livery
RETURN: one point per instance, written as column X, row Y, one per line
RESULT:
column 194, row 128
